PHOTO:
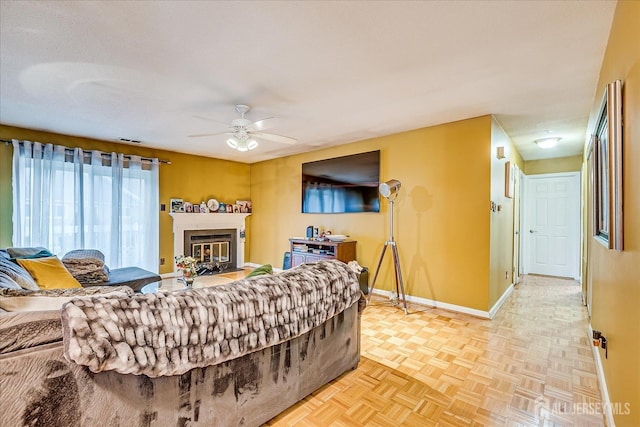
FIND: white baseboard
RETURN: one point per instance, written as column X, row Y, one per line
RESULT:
column 254, row 265
column 604, row 392
column 251, row 264
column 500, row 301
column 457, row 308
column 438, row 304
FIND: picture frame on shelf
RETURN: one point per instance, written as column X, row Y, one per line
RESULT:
column 177, row 205
column 244, row 206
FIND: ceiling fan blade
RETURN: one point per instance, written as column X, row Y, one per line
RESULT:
column 209, row 119
column 274, row 137
column 198, row 135
column 259, row 125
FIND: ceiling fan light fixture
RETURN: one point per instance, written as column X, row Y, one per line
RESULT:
column 242, row 144
column 233, row 142
column 546, row 143
column 242, row 131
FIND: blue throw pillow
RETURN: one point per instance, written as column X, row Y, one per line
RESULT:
column 28, row 253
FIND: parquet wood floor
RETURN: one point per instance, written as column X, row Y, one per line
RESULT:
column 531, row 365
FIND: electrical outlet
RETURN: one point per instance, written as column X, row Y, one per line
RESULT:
column 163, row 207
column 506, row 275
column 161, row 261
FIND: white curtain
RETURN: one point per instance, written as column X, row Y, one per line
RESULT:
column 67, row 199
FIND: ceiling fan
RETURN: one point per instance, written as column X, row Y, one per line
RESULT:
column 243, row 132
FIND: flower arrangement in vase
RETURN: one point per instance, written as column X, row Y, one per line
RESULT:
column 189, row 267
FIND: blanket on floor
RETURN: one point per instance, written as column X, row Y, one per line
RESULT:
column 171, row 333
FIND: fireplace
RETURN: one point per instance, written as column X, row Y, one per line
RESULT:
column 216, row 240
column 214, row 249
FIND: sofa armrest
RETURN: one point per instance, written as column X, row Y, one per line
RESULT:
column 133, row 277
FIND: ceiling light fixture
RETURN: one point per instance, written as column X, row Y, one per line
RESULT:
column 546, row 143
column 242, row 144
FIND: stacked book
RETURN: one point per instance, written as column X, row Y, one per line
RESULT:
column 300, row 247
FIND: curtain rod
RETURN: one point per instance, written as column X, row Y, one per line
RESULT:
column 127, row 156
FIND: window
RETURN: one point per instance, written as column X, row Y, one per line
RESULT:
column 66, row 199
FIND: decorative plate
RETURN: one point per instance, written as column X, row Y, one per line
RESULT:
column 213, row 205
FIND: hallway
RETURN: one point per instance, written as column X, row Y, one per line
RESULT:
column 532, row 365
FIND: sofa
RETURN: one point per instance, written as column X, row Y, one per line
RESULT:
column 84, row 265
column 227, row 355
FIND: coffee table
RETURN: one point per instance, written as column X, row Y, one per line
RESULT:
column 175, row 284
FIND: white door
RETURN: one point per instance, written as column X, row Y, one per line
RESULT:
column 552, row 224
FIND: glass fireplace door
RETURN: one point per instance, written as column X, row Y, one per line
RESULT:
column 211, row 251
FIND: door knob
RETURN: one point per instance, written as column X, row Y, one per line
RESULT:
column 532, row 231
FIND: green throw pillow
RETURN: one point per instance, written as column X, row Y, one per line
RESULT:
column 263, row 269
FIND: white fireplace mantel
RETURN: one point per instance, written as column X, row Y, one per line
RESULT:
column 209, row 221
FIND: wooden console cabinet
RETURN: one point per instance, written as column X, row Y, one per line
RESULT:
column 307, row 250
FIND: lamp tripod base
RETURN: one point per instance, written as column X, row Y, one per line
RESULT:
column 398, row 273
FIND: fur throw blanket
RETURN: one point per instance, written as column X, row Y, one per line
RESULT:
column 171, row 333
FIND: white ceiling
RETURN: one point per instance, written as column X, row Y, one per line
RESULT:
column 330, row 72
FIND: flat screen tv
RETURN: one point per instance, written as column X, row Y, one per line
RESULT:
column 342, row 185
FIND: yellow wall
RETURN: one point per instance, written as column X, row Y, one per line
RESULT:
column 442, row 213
column 501, row 247
column 452, row 248
column 615, row 276
column 561, row 164
column 192, row 178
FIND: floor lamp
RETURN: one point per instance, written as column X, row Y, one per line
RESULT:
column 389, row 190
